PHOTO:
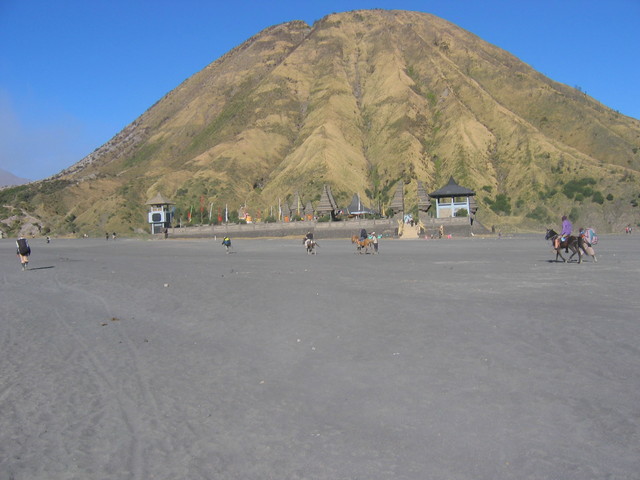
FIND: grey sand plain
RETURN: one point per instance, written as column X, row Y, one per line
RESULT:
column 457, row 359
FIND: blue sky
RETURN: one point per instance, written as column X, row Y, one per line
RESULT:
column 73, row 73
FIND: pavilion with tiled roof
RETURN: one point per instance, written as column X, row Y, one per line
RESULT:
column 451, row 198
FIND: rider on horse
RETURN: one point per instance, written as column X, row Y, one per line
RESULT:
column 566, row 231
column 309, row 243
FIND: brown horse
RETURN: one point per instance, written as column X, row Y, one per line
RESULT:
column 366, row 244
column 570, row 243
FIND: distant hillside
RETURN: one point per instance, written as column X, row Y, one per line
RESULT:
column 8, row 178
column 358, row 101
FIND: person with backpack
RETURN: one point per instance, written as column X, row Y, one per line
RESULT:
column 226, row 241
column 588, row 239
column 23, row 250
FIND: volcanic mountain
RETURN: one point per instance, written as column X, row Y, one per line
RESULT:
column 8, row 178
column 359, row 101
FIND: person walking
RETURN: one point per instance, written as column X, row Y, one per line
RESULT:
column 23, row 251
column 226, row 241
column 585, row 243
column 374, row 240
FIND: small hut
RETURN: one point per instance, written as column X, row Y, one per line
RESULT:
column 452, row 198
column 397, row 204
column 424, row 202
column 160, row 215
column 296, row 205
column 285, row 212
column 327, row 204
column 357, row 208
column 308, row 211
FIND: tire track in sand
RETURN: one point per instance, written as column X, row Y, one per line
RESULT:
column 133, row 415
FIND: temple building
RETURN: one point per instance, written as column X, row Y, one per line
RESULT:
column 452, row 198
column 327, row 204
column 397, row 203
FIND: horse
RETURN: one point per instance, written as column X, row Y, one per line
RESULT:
column 366, row 244
column 586, row 247
column 310, row 245
column 571, row 243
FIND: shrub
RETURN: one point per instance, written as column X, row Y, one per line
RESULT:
column 574, row 214
column 573, row 187
column 501, row 205
column 539, row 213
column 232, row 215
column 550, row 192
column 598, row 198
column 462, row 213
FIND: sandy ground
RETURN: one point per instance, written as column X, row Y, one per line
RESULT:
column 441, row 359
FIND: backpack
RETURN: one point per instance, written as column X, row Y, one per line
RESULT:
column 591, row 236
column 23, row 247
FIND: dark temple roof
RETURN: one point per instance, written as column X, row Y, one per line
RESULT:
column 452, row 189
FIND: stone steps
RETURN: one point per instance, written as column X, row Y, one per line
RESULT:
column 409, row 232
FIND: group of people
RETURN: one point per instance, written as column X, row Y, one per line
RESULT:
column 24, row 250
